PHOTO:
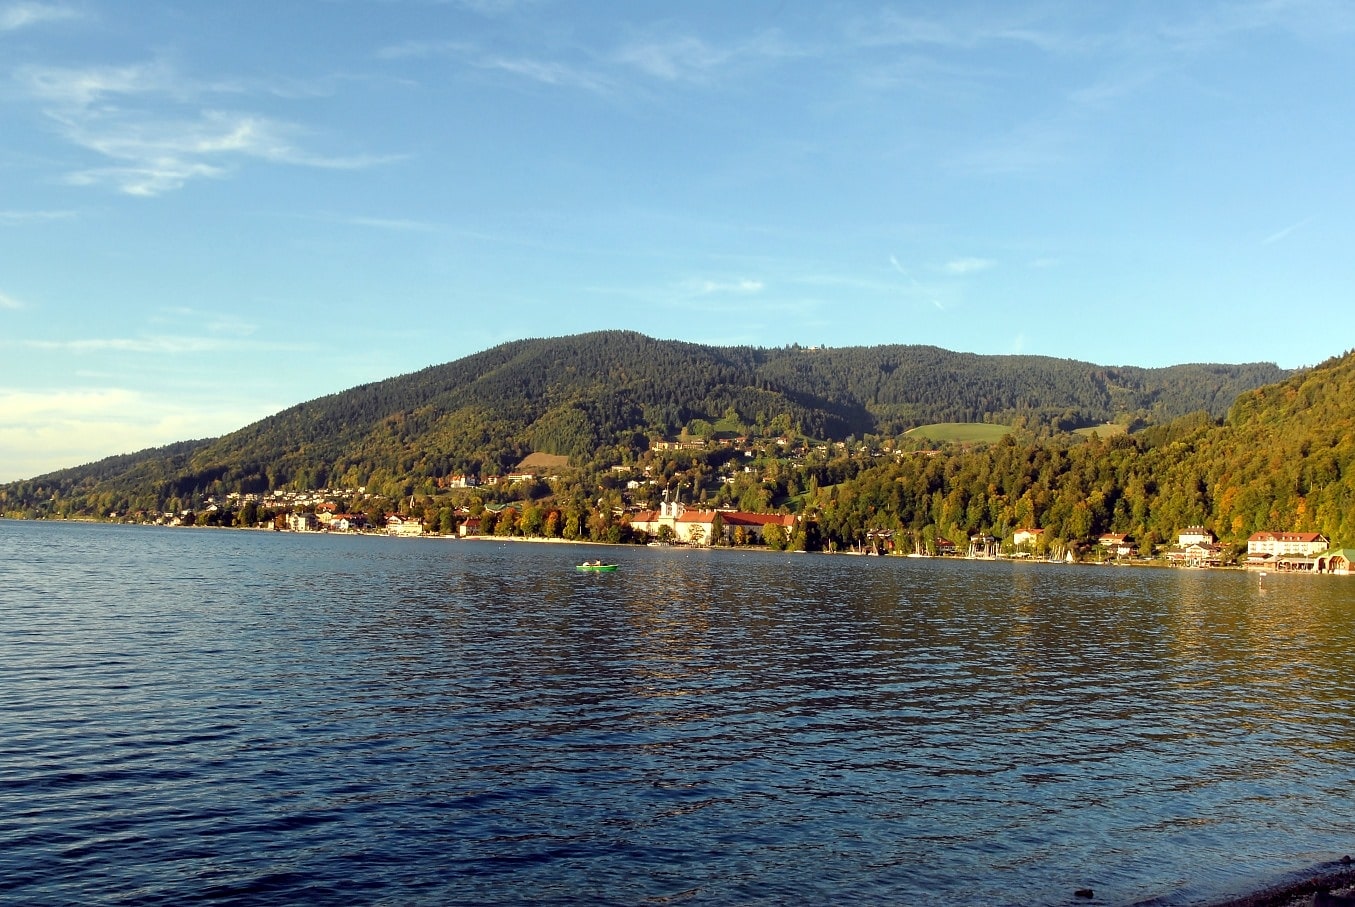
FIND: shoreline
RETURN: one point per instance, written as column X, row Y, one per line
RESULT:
column 1337, row 877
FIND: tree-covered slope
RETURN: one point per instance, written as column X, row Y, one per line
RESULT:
column 1282, row 460
column 600, row 397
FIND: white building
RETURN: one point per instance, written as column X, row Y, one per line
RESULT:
column 1278, row 544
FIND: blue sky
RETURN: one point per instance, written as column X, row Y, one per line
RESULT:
column 212, row 211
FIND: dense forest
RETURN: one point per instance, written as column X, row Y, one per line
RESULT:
column 1283, row 460
column 601, row 398
column 1280, row 457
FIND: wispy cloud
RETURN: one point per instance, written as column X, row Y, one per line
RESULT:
column 967, row 32
column 215, row 323
column 739, row 286
column 151, row 123
column 687, row 58
column 15, row 218
column 547, row 72
column 968, row 265
column 402, row 225
column 68, row 87
column 915, row 287
column 161, row 344
column 9, row 302
column 1317, row 19
column 419, row 49
column 15, row 16
column 668, row 58
column 1279, row 235
column 683, row 58
column 553, row 73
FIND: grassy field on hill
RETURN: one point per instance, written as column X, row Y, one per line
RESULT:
column 1108, row 430
column 962, row 432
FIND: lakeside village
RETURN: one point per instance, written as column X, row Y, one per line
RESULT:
column 674, row 523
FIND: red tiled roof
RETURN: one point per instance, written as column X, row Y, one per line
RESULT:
column 737, row 518
column 1285, row 537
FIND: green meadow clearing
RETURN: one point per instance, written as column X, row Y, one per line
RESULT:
column 961, row 432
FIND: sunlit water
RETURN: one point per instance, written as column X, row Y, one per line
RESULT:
column 248, row 717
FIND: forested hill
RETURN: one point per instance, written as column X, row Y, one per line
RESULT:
column 1282, row 460
column 595, row 397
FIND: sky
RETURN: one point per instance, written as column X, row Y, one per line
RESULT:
column 212, row 211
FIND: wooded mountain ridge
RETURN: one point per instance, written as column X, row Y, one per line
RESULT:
column 603, row 396
column 594, row 396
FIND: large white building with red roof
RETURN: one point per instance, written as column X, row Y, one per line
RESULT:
column 699, row 527
column 1278, row 544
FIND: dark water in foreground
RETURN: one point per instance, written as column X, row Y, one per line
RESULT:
column 249, row 717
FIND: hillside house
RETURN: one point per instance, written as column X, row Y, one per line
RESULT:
column 1027, row 539
column 1194, row 535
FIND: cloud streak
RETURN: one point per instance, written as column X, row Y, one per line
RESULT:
column 152, row 125
column 1280, row 235
column 9, row 302
column 742, row 286
column 691, row 59
column 15, row 16
column 961, row 266
column 16, row 218
column 553, row 73
column 163, row 344
column 681, row 58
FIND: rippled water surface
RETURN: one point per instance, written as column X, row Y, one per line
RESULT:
column 256, row 717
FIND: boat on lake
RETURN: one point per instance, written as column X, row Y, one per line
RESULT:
column 595, row 567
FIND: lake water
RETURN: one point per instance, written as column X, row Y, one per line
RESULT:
column 192, row 715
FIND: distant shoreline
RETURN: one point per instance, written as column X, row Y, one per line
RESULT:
column 1153, row 564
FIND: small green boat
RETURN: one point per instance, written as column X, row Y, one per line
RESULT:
column 595, row 567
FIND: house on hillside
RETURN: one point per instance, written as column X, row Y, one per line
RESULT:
column 1194, row 535
column 1027, row 539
